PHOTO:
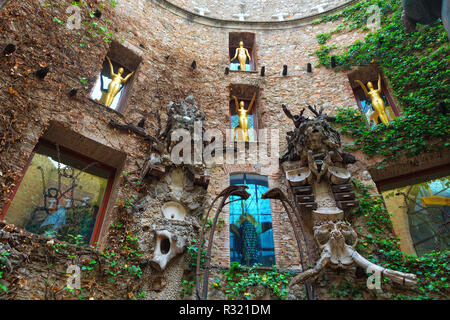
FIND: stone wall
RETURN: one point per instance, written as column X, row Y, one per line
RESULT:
column 167, row 45
column 258, row 10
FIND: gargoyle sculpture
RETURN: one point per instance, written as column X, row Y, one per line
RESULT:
column 316, row 170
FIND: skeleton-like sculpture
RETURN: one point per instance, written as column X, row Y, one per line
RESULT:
column 315, row 168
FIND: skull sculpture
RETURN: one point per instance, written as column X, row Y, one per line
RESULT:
column 315, row 157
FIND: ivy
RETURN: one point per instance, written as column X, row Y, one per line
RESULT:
column 3, row 260
column 187, row 288
column 96, row 27
column 417, row 66
column 238, row 281
column 380, row 247
column 192, row 250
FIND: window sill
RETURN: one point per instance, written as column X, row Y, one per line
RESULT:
column 240, row 71
column 107, row 108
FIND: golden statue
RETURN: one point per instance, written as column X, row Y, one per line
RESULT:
column 377, row 101
column 115, row 85
column 242, row 54
column 243, row 120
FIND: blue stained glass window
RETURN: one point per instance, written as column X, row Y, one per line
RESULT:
column 251, row 236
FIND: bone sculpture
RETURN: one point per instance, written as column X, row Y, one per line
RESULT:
column 315, row 168
column 168, row 246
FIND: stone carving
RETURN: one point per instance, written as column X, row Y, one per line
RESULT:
column 182, row 115
column 168, row 246
column 173, row 211
column 315, row 167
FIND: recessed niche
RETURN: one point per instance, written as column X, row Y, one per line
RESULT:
column 173, row 211
column 120, row 62
column 244, row 93
column 248, row 40
column 370, row 74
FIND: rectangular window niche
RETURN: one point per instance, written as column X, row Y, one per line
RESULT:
column 248, row 39
column 244, row 93
column 121, row 58
column 367, row 74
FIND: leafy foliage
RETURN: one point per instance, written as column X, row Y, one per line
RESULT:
column 192, row 250
column 238, row 281
column 3, row 259
column 380, row 247
column 418, row 68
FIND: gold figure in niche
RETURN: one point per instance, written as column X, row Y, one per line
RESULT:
column 115, row 85
column 242, row 54
column 377, row 101
column 242, row 129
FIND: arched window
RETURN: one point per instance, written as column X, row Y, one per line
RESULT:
column 251, row 236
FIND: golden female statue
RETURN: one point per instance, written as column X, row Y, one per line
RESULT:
column 115, row 85
column 243, row 120
column 377, row 101
column 242, row 54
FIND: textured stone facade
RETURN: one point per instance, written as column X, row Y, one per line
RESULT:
column 258, row 10
column 167, row 45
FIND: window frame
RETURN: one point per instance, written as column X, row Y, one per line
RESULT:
column 408, row 180
column 102, row 210
column 385, row 91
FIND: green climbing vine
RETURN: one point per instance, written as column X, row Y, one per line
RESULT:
column 417, row 66
column 3, row 259
column 380, row 246
column 91, row 19
column 239, row 282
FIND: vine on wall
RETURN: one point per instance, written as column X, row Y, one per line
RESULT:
column 417, row 66
column 239, row 282
column 378, row 244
